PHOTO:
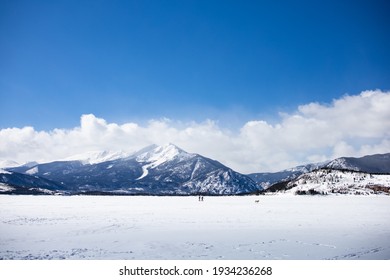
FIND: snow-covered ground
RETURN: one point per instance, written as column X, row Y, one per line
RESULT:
column 277, row 227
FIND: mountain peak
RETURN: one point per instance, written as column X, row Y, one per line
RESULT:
column 171, row 148
column 157, row 155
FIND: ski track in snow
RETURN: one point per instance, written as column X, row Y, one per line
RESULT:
column 279, row 227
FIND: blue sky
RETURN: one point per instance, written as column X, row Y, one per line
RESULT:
column 230, row 61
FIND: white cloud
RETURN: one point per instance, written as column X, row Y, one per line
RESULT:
column 350, row 126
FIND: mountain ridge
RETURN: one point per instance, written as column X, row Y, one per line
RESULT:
column 154, row 170
column 166, row 170
column 376, row 163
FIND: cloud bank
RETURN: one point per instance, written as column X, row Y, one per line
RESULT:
column 354, row 125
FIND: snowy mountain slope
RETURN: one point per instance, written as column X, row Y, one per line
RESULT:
column 379, row 163
column 17, row 183
column 332, row 181
column 159, row 155
column 155, row 170
column 77, row 176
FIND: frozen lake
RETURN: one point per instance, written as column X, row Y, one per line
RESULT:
column 112, row 227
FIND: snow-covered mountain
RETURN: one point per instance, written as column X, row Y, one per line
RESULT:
column 347, row 175
column 17, row 183
column 155, row 170
column 333, row 181
column 379, row 163
column 168, row 170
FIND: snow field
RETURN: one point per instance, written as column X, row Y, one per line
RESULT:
column 112, row 227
